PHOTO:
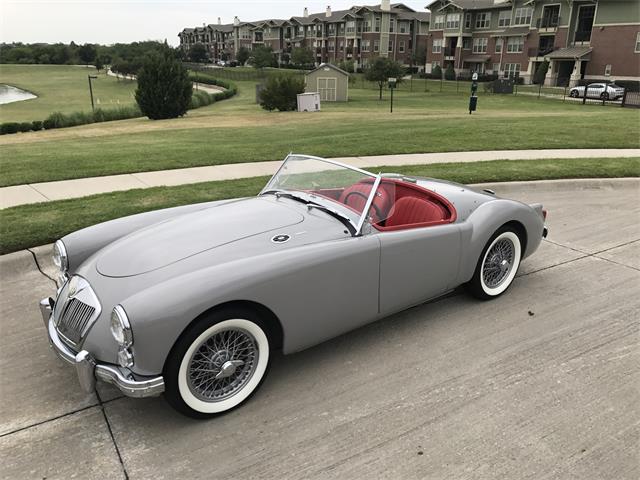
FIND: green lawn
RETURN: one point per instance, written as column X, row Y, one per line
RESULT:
column 237, row 130
column 31, row 225
column 60, row 88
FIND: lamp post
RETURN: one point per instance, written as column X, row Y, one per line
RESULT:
column 91, row 77
column 473, row 100
column 392, row 86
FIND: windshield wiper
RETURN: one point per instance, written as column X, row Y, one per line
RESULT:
column 344, row 220
column 281, row 193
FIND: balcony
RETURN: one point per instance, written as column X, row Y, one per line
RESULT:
column 541, row 51
column 551, row 22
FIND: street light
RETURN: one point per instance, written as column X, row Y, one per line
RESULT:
column 91, row 77
column 392, row 86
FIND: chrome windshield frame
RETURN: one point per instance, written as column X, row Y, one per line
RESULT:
column 357, row 227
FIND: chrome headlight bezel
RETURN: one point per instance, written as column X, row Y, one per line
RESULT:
column 60, row 257
column 120, row 327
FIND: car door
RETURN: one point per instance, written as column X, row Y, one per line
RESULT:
column 417, row 264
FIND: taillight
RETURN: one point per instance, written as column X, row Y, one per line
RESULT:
column 544, row 214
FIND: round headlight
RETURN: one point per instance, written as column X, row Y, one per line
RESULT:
column 120, row 327
column 60, row 258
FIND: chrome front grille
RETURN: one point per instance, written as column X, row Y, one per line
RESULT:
column 76, row 309
column 75, row 319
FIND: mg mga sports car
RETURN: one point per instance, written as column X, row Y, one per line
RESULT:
column 192, row 301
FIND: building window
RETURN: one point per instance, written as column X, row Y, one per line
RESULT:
column 483, row 20
column 401, row 47
column 365, row 45
column 367, row 26
column 331, row 46
column 376, row 45
column 467, row 20
column 504, row 18
column 332, row 29
column 403, row 27
column 496, row 67
column 499, row 43
column 607, row 70
column 392, row 25
column 523, row 16
column 480, row 45
column 437, row 45
column 351, row 26
column 378, row 22
column 637, row 50
column 453, row 20
column 438, row 23
column 511, row 69
column 515, row 44
column 341, row 46
column 391, row 45
column 466, row 43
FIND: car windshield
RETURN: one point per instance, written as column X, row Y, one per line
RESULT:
column 345, row 190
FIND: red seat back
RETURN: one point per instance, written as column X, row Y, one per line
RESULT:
column 410, row 210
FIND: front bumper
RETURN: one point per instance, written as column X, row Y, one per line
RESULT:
column 89, row 370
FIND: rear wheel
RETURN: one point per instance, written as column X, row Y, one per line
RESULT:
column 573, row 93
column 217, row 364
column 604, row 96
column 497, row 265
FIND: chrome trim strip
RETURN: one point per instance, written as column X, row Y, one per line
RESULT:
column 89, row 370
column 365, row 212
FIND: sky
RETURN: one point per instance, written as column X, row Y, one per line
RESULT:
column 107, row 22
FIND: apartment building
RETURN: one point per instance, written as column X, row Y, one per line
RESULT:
column 359, row 34
column 581, row 39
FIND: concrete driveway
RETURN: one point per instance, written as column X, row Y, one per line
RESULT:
column 541, row 383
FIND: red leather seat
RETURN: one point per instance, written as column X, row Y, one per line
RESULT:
column 410, row 210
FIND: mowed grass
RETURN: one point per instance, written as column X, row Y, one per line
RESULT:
column 31, row 225
column 238, row 130
column 61, row 88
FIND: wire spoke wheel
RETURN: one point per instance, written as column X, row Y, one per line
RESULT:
column 222, row 364
column 498, row 263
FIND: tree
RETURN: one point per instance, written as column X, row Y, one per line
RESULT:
column 99, row 63
column 541, row 73
column 243, row 55
column 381, row 69
column 436, row 71
column 198, row 53
column 164, row 89
column 419, row 57
column 302, row 56
column 87, row 53
column 281, row 93
column 262, row 57
column 450, row 73
column 347, row 65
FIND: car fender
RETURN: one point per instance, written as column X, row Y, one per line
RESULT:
column 486, row 220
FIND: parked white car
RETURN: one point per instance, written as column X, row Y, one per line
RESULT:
column 609, row 91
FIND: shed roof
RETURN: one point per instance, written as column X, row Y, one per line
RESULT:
column 570, row 53
column 329, row 65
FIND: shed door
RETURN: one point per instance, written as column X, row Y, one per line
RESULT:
column 327, row 89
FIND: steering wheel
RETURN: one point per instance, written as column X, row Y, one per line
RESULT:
column 360, row 194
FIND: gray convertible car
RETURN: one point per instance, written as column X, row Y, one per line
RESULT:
column 192, row 301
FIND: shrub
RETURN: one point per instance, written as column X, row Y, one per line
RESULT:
column 164, row 89
column 436, row 72
column 280, row 93
column 24, row 127
column 36, row 125
column 450, row 73
column 541, row 72
column 9, row 127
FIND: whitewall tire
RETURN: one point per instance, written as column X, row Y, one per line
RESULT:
column 217, row 364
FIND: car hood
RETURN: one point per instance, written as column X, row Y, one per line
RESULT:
column 173, row 240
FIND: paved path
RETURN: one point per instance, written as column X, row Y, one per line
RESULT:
column 205, row 87
column 541, row 383
column 48, row 191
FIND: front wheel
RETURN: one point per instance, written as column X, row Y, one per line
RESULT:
column 217, row 364
column 497, row 265
column 604, row 96
column 573, row 93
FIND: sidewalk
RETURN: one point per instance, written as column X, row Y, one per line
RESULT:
column 50, row 191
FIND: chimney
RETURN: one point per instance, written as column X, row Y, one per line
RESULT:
column 385, row 5
column 305, row 12
column 328, row 14
column 236, row 22
column 219, row 21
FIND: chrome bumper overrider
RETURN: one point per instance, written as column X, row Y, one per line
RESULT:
column 88, row 370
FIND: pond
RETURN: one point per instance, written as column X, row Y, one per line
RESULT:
column 9, row 94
